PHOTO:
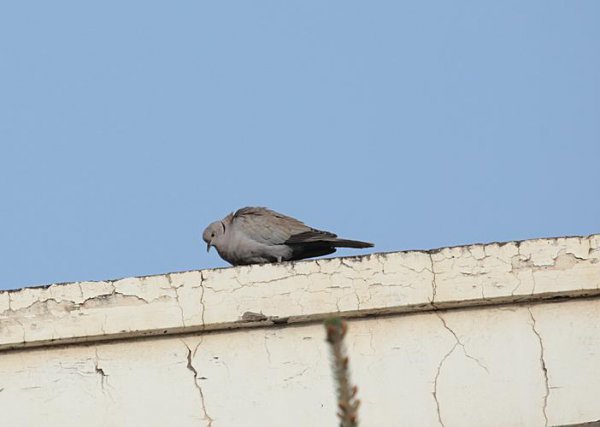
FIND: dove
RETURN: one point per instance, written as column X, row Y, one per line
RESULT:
column 257, row 235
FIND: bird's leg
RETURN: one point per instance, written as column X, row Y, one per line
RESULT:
column 278, row 259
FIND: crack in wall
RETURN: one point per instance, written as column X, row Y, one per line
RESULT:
column 299, row 374
column 23, row 310
column 176, row 289
column 191, row 368
column 52, row 304
column 258, row 283
column 72, row 304
column 80, row 290
column 371, row 333
column 293, row 275
column 267, row 349
column 462, row 346
column 457, row 343
column 435, row 384
column 99, row 370
column 24, row 337
column 343, row 263
column 512, row 269
column 433, row 282
column 202, row 287
column 357, row 299
column 543, row 365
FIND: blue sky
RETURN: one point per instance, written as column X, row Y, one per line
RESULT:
column 126, row 127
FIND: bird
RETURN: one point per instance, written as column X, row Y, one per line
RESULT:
column 257, row 235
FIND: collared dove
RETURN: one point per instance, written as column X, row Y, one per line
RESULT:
column 255, row 235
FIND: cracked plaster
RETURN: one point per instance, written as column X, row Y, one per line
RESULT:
column 356, row 286
column 525, row 362
column 544, row 369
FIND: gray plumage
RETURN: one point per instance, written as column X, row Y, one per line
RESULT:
column 255, row 235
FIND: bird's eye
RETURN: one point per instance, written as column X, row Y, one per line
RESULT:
column 212, row 235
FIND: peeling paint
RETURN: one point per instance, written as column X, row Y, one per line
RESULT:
column 400, row 282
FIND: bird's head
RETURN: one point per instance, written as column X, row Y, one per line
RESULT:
column 213, row 234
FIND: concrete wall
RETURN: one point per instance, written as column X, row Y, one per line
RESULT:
column 482, row 335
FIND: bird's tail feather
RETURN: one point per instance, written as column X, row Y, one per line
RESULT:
column 345, row 243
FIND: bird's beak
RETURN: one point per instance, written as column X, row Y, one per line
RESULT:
column 208, row 247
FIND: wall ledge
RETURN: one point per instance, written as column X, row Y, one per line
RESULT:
column 527, row 271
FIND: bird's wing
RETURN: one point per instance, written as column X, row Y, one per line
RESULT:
column 272, row 228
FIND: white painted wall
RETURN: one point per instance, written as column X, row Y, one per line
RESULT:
column 482, row 335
